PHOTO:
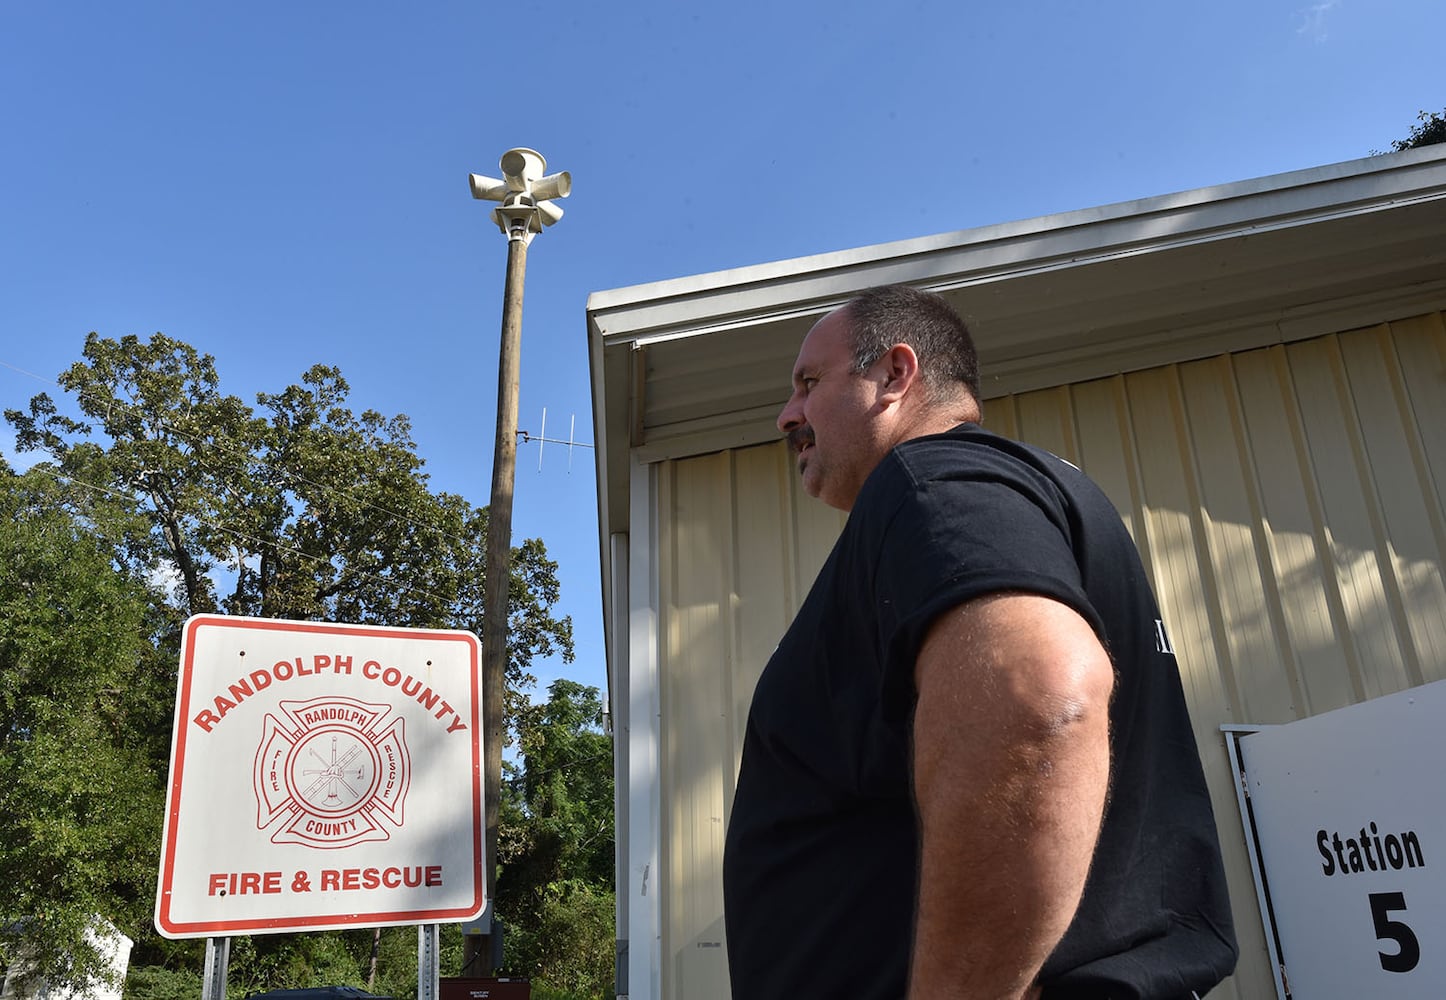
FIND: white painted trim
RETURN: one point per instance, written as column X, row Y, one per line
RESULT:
column 618, row 707
column 640, row 880
column 1242, row 227
column 1142, row 224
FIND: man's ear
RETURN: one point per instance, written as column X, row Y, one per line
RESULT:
column 900, row 370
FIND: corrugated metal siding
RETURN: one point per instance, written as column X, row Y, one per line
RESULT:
column 740, row 546
column 1287, row 501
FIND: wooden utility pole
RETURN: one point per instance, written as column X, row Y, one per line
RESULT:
column 522, row 214
column 499, row 562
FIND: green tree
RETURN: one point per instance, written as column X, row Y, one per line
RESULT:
column 1431, row 130
column 81, row 699
column 555, row 883
column 307, row 511
column 297, row 508
column 574, row 940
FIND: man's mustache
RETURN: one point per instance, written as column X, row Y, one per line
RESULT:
column 800, row 436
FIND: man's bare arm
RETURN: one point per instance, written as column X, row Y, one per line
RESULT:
column 1011, row 768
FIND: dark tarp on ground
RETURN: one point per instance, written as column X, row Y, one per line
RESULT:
column 319, row 993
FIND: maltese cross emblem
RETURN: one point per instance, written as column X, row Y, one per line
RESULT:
column 327, row 772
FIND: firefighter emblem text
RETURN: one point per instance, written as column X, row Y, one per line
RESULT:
column 329, row 771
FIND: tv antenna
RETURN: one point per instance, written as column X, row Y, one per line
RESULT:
column 543, row 440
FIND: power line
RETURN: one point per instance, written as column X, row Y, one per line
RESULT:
column 386, row 581
column 197, row 442
column 22, row 371
column 565, row 765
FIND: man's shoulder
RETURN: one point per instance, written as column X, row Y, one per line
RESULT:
column 969, row 471
column 970, row 451
column 965, row 475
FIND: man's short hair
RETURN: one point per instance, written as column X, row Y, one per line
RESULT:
column 887, row 315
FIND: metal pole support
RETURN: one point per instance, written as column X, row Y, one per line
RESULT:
column 429, row 962
column 218, row 957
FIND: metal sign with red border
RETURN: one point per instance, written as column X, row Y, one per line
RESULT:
column 322, row 776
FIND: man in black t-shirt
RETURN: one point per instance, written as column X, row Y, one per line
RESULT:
column 968, row 769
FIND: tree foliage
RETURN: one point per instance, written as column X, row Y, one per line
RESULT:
column 306, row 508
column 555, row 848
column 1431, row 130
column 163, row 497
column 80, row 700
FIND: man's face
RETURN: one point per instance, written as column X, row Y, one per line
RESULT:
column 830, row 418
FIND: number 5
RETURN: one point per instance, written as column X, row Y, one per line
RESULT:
column 1408, row 951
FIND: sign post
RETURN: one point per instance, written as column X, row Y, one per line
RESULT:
column 429, row 962
column 322, row 776
column 213, row 980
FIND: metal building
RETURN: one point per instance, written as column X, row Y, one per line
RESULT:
column 1256, row 375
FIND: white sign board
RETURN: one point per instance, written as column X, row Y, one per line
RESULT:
column 1350, row 815
column 322, row 776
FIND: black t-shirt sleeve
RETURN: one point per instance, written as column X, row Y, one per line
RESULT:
column 987, row 525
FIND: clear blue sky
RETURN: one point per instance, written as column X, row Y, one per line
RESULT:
column 281, row 184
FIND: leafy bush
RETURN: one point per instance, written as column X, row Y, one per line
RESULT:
column 569, row 954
